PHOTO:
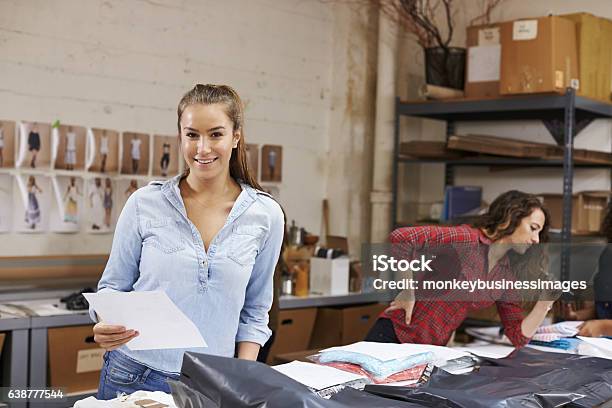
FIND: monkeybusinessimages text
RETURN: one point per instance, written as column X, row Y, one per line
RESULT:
column 385, row 263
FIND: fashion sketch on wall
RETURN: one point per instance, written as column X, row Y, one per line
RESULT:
column 135, row 153
column 68, row 202
column 165, row 156
column 101, row 212
column 271, row 163
column 34, row 145
column 6, row 202
column 252, row 151
column 125, row 188
column 7, row 144
column 32, row 202
column 68, row 147
column 102, row 151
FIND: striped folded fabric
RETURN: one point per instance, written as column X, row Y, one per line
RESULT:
column 568, row 344
column 556, row 331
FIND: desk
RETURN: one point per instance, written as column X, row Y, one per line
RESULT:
column 38, row 352
column 296, row 302
column 15, row 367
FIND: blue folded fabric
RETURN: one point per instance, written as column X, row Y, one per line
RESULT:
column 374, row 366
column 570, row 344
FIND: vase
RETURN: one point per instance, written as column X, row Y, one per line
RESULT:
column 445, row 67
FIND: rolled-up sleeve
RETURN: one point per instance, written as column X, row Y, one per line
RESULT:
column 511, row 315
column 253, row 325
column 122, row 268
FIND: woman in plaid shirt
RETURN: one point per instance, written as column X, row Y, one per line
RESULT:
column 515, row 221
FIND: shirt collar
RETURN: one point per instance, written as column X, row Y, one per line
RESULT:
column 483, row 238
column 170, row 189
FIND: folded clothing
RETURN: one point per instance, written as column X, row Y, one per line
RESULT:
column 562, row 344
column 409, row 374
column 378, row 369
column 556, row 331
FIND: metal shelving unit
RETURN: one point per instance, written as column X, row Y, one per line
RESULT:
column 564, row 115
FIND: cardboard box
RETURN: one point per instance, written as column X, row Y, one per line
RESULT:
column 594, row 55
column 293, row 332
column 483, row 61
column 588, row 210
column 538, row 55
column 337, row 326
column 606, row 57
column 329, row 276
column 75, row 360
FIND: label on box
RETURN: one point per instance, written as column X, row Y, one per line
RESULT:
column 559, row 82
column 525, row 30
column 90, row 360
column 575, row 83
column 488, row 36
column 484, row 63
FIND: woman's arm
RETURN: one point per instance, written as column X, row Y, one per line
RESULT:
column 120, row 273
column 122, row 268
column 253, row 328
column 248, row 350
column 535, row 318
column 406, row 242
column 518, row 329
column 596, row 328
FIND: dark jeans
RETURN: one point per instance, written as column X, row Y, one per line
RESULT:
column 382, row 332
column 121, row 374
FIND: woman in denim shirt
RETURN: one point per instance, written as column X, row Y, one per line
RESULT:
column 209, row 238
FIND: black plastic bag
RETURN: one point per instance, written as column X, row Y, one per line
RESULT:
column 526, row 378
column 209, row 381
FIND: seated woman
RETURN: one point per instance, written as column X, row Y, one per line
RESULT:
column 598, row 315
column 515, row 221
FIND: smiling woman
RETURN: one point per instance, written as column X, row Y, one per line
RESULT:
column 210, row 238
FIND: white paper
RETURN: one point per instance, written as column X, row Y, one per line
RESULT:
column 488, row 350
column 159, row 321
column 599, row 342
column 488, row 36
column 43, row 307
column 391, row 351
column 484, row 63
column 525, row 30
column 314, row 375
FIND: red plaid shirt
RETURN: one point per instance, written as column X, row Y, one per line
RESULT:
column 433, row 321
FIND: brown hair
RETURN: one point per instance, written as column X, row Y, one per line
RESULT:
column 507, row 211
column 503, row 217
column 211, row 94
column 606, row 225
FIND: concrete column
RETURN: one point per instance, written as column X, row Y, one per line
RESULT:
column 380, row 196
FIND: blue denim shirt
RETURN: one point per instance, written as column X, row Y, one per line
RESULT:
column 227, row 291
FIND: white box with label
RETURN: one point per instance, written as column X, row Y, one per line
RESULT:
column 329, row 276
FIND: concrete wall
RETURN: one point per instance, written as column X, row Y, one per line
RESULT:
column 301, row 67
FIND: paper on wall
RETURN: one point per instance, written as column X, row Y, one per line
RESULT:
column 161, row 324
column 525, row 30
column 484, row 63
column 488, row 36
